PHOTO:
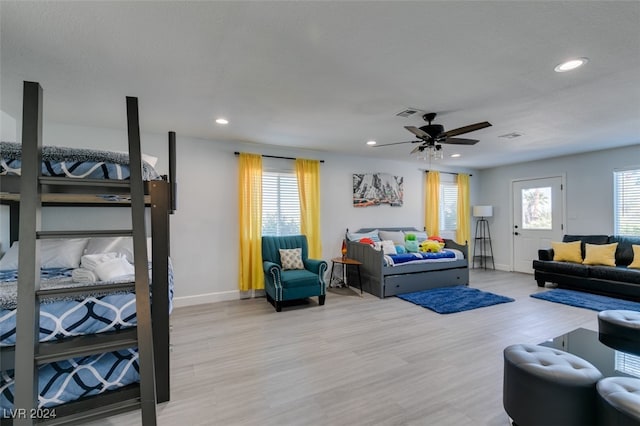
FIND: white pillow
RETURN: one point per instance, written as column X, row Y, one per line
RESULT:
column 396, row 236
column 120, row 245
column 291, row 258
column 388, row 247
column 58, row 253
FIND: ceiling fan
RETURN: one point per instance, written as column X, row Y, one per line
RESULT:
column 432, row 135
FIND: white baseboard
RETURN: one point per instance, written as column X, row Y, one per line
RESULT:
column 201, row 299
column 221, row 296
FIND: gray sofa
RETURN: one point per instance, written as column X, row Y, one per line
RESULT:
column 618, row 281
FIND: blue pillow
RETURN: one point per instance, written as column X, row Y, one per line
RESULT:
column 400, row 250
column 357, row 237
column 420, row 235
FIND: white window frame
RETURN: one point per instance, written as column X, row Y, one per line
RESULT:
column 280, row 199
column 448, row 186
column 626, row 201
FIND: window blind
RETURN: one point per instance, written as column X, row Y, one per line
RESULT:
column 627, row 202
column 280, row 204
column 448, row 206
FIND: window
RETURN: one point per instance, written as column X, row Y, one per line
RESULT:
column 448, row 209
column 280, row 203
column 626, row 202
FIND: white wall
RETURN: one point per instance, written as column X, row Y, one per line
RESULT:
column 589, row 193
column 204, row 230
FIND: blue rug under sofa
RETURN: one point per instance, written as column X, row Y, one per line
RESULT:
column 448, row 300
column 581, row 299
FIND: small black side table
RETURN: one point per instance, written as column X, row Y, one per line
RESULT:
column 345, row 261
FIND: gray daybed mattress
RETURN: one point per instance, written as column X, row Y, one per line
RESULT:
column 383, row 281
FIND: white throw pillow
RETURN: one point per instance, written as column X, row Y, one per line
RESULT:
column 388, row 247
column 56, row 253
column 291, row 258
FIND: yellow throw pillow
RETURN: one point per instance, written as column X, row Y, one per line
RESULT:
column 567, row 252
column 636, row 257
column 600, row 254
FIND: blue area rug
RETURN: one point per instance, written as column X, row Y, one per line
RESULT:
column 581, row 299
column 448, row 300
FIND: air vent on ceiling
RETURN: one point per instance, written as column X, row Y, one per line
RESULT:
column 511, row 135
column 409, row 112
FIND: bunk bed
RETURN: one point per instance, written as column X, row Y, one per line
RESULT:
column 95, row 178
column 383, row 278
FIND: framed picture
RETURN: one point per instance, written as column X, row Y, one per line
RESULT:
column 373, row 189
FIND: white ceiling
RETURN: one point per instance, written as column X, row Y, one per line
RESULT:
column 330, row 75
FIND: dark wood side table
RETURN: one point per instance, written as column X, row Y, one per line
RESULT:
column 345, row 261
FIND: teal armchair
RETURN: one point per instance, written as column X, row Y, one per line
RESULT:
column 290, row 284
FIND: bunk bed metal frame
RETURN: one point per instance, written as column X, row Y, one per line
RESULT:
column 25, row 195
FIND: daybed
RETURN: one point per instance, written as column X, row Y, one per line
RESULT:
column 92, row 327
column 617, row 281
column 383, row 279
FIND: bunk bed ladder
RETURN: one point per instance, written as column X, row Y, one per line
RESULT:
column 29, row 353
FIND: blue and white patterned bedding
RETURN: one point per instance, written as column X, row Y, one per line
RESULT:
column 446, row 255
column 73, row 163
column 65, row 381
column 69, row 380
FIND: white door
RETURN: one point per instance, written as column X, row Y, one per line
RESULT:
column 538, row 215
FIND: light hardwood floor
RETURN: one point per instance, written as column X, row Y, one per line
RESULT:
column 354, row 361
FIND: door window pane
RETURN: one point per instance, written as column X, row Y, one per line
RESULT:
column 536, row 208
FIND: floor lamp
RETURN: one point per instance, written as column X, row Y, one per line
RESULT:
column 483, row 237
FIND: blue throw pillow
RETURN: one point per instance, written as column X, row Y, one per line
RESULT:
column 400, row 249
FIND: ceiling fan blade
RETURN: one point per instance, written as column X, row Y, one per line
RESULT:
column 418, row 132
column 416, row 149
column 394, row 143
column 466, row 129
column 459, row 141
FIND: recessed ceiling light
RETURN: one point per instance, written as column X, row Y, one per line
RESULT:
column 371, row 142
column 456, row 155
column 571, row 64
column 222, row 121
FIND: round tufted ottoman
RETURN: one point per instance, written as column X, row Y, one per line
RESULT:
column 620, row 330
column 546, row 386
column 619, row 401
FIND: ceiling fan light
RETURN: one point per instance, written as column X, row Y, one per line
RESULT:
column 571, row 64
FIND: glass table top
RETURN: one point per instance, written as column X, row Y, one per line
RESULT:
column 586, row 345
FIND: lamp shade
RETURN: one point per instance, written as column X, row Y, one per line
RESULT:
column 482, row 211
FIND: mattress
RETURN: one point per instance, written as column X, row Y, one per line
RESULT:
column 68, row 380
column 74, row 163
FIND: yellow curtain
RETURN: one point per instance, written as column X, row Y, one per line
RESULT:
column 463, row 233
column 432, row 203
column 251, row 276
column 308, row 174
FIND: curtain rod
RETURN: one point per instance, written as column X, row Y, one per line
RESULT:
column 276, row 156
column 447, row 173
